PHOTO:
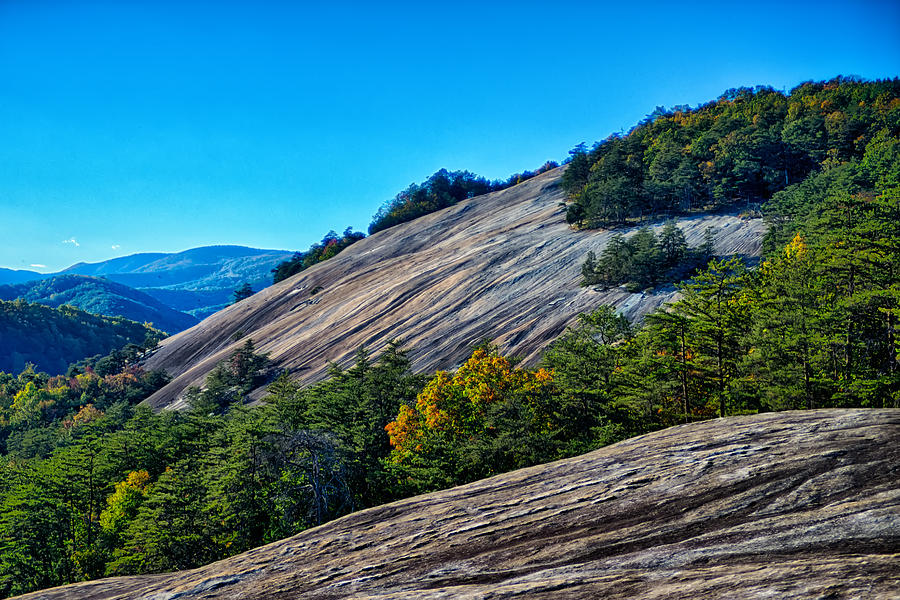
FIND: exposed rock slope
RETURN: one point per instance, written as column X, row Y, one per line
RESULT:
column 787, row 505
column 504, row 266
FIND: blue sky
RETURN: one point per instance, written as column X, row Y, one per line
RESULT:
column 160, row 126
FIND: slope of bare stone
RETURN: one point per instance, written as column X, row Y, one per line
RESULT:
column 503, row 266
column 788, row 505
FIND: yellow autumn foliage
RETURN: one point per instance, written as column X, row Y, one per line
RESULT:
column 455, row 404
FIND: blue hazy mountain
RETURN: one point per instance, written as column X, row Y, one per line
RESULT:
column 18, row 275
column 198, row 281
column 89, row 308
column 100, row 296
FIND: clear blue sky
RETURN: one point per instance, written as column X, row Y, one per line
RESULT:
column 160, row 126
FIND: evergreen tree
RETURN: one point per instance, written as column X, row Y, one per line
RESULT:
column 647, row 260
column 584, row 361
column 672, row 243
column 714, row 303
column 242, row 293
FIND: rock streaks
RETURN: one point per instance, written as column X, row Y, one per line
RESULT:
column 504, row 266
column 786, row 505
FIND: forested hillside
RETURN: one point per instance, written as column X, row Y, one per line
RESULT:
column 52, row 338
column 737, row 150
column 100, row 296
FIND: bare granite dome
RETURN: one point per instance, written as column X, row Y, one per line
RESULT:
column 503, row 266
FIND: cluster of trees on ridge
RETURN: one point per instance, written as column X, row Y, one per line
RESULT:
column 94, row 484
column 444, row 188
column 645, row 260
column 742, row 148
column 330, row 245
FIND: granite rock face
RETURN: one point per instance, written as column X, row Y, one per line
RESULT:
column 786, row 505
column 503, row 266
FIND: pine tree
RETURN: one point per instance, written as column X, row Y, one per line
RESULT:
column 241, row 293
column 716, row 308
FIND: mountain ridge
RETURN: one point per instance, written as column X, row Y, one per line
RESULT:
column 197, row 281
column 441, row 283
column 13, row 276
column 99, row 296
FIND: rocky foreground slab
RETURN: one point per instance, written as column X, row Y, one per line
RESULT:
column 786, row 505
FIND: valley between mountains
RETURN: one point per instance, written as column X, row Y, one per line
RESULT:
column 504, row 266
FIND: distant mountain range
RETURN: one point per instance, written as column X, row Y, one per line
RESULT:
column 198, row 281
column 171, row 290
column 100, row 296
column 8, row 276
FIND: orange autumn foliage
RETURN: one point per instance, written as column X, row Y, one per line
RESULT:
column 455, row 404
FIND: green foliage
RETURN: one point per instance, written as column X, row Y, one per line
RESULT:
column 353, row 407
column 444, row 188
column 230, row 381
column 257, row 475
column 745, row 147
column 118, row 359
column 242, row 293
column 171, row 530
column 644, row 260
column 716, row 310
column 122, row 505
column 36, row 522
column 52, row 338
column 330, row 245
column 585, row 361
